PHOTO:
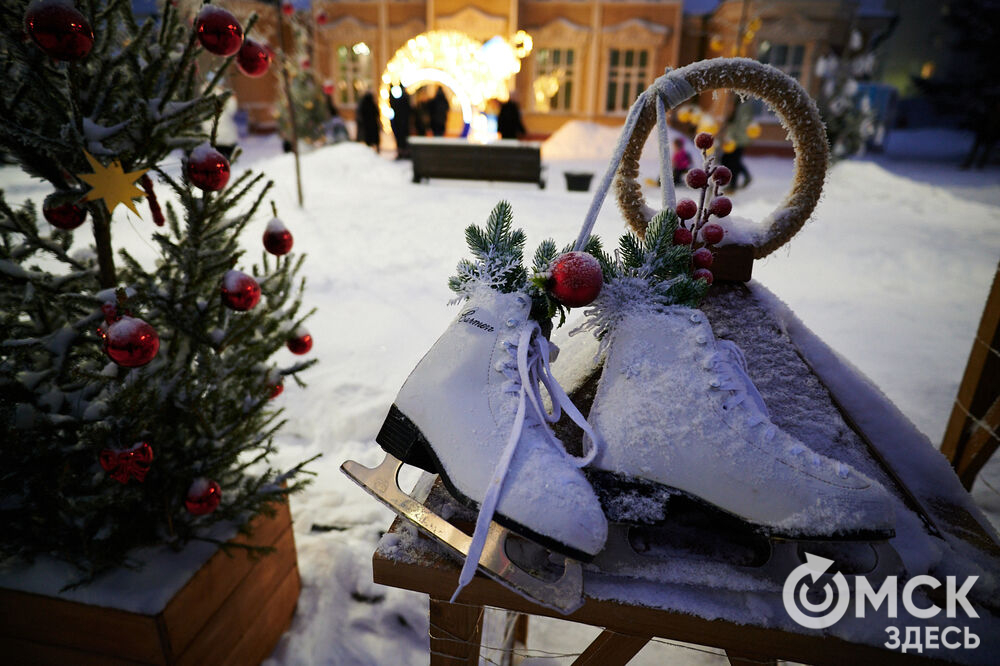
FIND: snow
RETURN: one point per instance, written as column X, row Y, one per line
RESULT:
column 892, row 272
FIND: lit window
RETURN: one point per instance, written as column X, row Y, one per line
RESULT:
column 627, row 76
column 354, row 73
column 555, row 73
column 786, row 57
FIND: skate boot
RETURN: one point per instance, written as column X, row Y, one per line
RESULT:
column 471, row 412
column 679, row 417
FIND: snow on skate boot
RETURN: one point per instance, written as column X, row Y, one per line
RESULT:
column 471, row 412
column 679, row 418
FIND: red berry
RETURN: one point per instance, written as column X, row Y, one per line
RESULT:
column 301, row 342
column 704, row 140
column 682, row 236
column 130, row 342
column 712, row 233
column 686, row 209
column 576, row 279
column 253, row 59
column 207, row 168
column 720, row 206
column 203, row 497
column 218, row 31
column 240, row 291
column 277, row 238
column 59, row 29
column 703, row 274
column 696, row 179
column 702, row 258
column 722, row 175
column 66, row 216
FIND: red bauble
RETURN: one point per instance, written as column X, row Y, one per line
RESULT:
column 131, row 342
column 696, row 178
column 686, row 209
column 203, row 497
column 301, row 341
column 327, row 88
column 207, row 168
column 722, row 175
column 322, row 18
column 712, row 233
column 59, row 29
column 240, row 291
column 682, row 236
column 277, row 238
column 703, row 274
column 287, row 8
column 277, row 389
column 306, row 63
column 702, row 258
column 720, row 206
column 218, row 31
column 66, row 216
column 704, row 140
column 576, row 279
column 253, row 59
column 122, row 465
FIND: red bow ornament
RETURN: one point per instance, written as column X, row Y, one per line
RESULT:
column 123, row 464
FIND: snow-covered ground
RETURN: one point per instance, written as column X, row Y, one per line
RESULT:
column 892, row 272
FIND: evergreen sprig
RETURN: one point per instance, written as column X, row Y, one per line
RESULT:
column 498, row 252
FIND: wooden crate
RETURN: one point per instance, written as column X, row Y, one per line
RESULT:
column 233, row 610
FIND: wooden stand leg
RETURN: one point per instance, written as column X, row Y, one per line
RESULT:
column 744, row 659
column 611, row 649
column 455, row 633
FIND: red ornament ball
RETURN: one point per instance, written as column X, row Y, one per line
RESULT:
column 722, row 175
column 218, row 31
column 301, row 342
column 59, row 29
column 703, row 274
column 130, row 342
column 720, row 206
column 287, row 8
column 240, row 291
column 306, row 63
column 277, row 238
column 203, row 497
column 682, row 236
column 277, row 389
column 122, row 465
column 702, row 258
column 327, row 88
column 322, row 19
column 576, row 279
column 207, row 168
column 686, row 209
column 66, row 216
column 253, row 59
column 696, row 179
column 704, row 140
column 712, row 233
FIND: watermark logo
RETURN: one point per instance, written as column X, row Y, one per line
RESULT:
column 815, row 615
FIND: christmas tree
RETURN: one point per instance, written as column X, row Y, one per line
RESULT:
column 849, row 118
column 135, row 400
column 311, row 111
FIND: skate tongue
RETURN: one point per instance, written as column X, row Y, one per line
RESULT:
column 532, row 368
column 738, row 379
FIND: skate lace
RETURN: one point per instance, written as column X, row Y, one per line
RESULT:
column 526, row 370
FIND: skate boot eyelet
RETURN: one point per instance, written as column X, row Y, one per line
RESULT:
column 511, row 323
column 696, row 318
column 715, row 383
column 701, row 340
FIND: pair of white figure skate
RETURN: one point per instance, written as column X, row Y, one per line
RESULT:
column 674, row 412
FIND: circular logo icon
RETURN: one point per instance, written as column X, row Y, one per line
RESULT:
column 815, row 615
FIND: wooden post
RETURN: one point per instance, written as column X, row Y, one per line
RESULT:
column 455, row 630
column 288, row 100
column 611, row 649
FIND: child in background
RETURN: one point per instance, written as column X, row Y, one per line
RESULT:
column 680, row 160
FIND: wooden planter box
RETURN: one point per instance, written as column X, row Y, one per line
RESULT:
column 232, row 610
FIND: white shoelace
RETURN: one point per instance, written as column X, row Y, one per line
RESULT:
column 531, row 352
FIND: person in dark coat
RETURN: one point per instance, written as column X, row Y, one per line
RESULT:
column 736, row 129
column 400, row 123
column 368, row 121
column 509, row 120
column 439, row 112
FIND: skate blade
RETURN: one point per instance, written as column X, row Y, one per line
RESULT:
column 875, row 560
column 564, row 594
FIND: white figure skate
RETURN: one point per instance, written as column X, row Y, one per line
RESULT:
column 682, row 424
column 471, row 412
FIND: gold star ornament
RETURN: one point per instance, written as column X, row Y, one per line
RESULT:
column 112, row 184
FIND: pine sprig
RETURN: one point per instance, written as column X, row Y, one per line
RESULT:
column 498, row 252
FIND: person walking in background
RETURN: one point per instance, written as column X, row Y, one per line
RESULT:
column 439, row 112
column 680, row 160
column 399, row 102
column 736, row 130
column 368, row 121
column 509, row 119
column 335, row 129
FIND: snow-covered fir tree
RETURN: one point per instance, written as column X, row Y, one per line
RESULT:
column 135, row 398
column 849, row 118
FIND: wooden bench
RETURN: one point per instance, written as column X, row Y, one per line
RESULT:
column 519, row 161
